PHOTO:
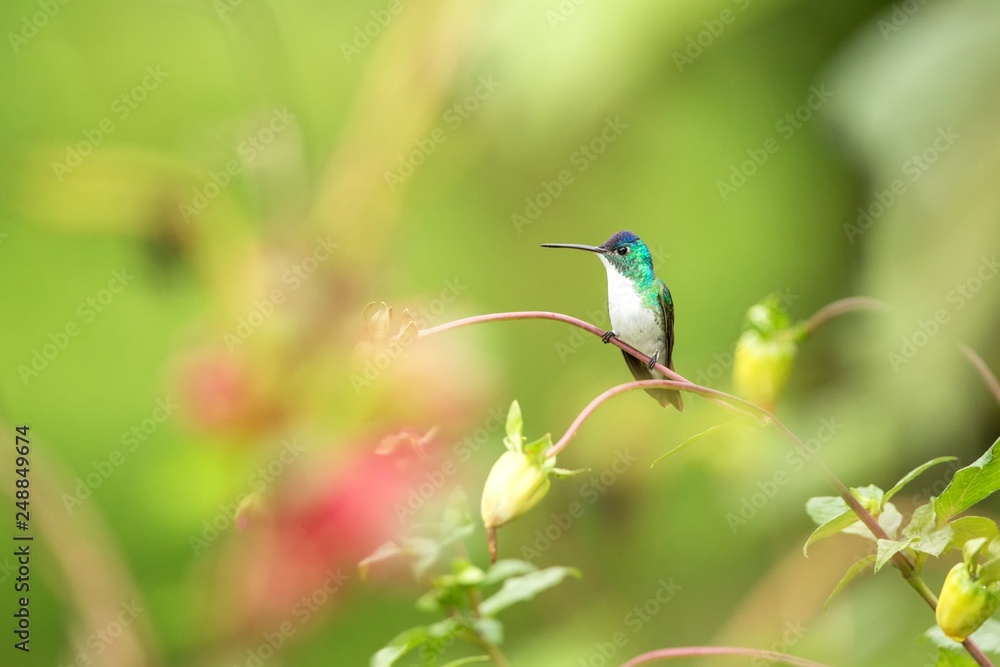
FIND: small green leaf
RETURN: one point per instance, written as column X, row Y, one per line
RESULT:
column 987, row 636
column 971, row 527
column 831, row 527
column 946, row 658
column 515, row 426
column 694, row 437
column 822, row 509
column 563, row 473
column 969, row 485
column 386, row 551
column 890, row 519
column 505, row 569
column 525, row 587
column 870, row 496
column 887, row 549
column 922, row 521
column 935, row 542
column 913, row 474
column 538, row 447
column 490, row 629
column 971, row 549
column 468, row 661
column 853, row 571
column 399, row 646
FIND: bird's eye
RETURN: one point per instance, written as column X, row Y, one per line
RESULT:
column 623, row 250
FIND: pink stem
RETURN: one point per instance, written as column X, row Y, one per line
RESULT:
column 984, row 371
column 694, row 651
column 831, row 310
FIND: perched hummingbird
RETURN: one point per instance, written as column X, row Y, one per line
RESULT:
column 640, row 306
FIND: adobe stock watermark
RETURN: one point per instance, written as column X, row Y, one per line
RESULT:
column 914, row 168
column 87, row 310
column 591, row 490
column 99, row 641
column 767, row 489
column 794, row 632
column 634, row 621
column 901, row 14
column 301, row 611
column 958, row 298
column 423, row 317
column 248, row 150
column 562, row 12
column 713, row 28
column 292, row 279
column 580, row 160
column 723, row 361
column 121, row 108
column 452, row 119
column 463, row 450
column 364, row 34
column 131, row 441
column 32, row 23
column 786, row 128
column 258, row 481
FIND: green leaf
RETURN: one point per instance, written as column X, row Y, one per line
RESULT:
column 870, row 496
column 987, row 636
column 946, row 658
column 971, row 527
column 563, row 473
column 694, row 437
column 935, row 542
column 890, row 519
column 913, row 474
column 468, row 661
column 515, row 426
column 921, row 521
column 400, row 645
column 504, row 569
column 831, row 527
column 853, row 571
column 490, row 629
column 384, row 552
column 525, row 587
column 971, row 549
column 969, row 485
column 887, row 549
column 538, row 447
column 822, row 509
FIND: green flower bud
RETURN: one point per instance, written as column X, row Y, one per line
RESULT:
column 516, row 483
column 765, row 353
column 965, row 602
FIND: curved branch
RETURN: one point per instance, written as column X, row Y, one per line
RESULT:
column 677, row 381
column 839, row 307
column 695, row 651
column 984, row 371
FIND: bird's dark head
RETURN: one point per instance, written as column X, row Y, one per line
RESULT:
column 624, row 252
column 628, row 255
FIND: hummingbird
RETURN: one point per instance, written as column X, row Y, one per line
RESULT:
column 640, row 307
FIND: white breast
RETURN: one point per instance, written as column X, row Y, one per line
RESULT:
column 631, row 320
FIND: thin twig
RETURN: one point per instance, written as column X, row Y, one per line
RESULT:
column 984, row 371
column 831, row 310
column 696, row 651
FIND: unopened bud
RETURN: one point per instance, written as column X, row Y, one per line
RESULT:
column 965, row 603
column 516, row 483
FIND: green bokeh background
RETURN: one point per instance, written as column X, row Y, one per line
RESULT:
column 699, row 88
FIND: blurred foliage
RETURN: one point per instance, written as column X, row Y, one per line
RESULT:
column 257, row 172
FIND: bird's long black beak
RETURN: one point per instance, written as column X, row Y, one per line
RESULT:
column 575, row 246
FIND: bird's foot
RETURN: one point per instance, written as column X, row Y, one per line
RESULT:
column 651, row 364
column 608, row 335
